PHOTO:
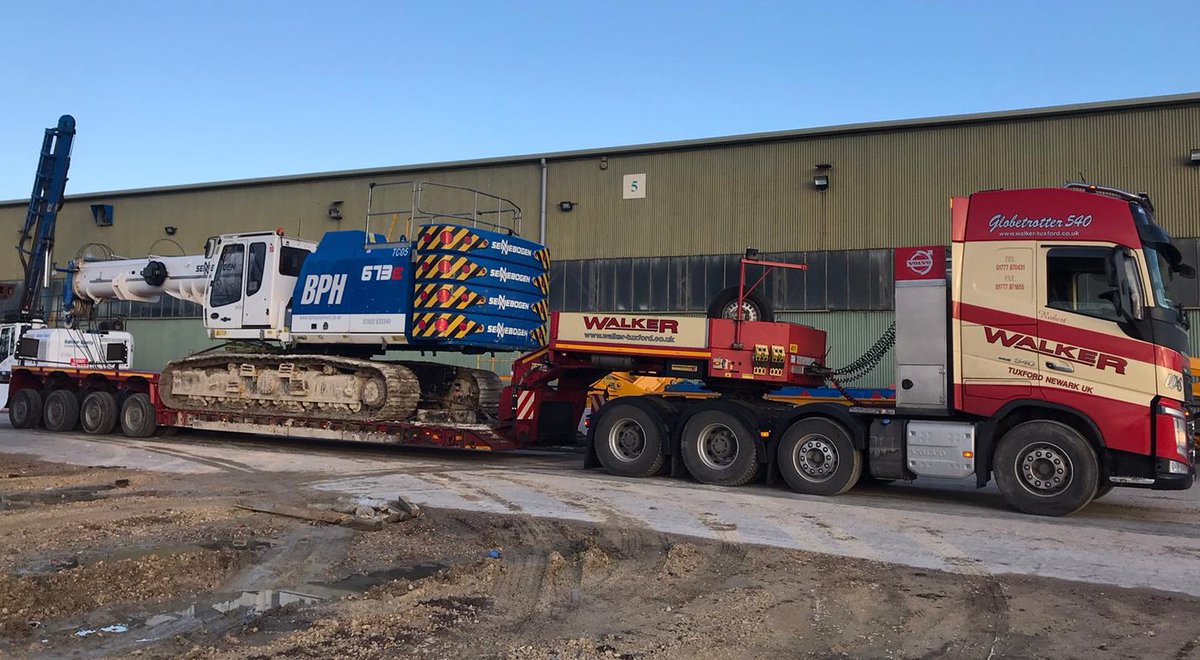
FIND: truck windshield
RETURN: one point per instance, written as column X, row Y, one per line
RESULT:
column 1163, row 259
column 1160, row 276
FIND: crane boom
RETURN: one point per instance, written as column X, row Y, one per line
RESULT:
column 144, row 280
column 37, row 236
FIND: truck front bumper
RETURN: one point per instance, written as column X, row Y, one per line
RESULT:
column 1174, row 475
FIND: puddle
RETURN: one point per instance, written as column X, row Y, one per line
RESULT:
column 228, row 609
column 363, row 581
column 53, row 496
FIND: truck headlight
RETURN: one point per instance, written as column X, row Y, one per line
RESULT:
column 1181, row 437
column 1179, row 420
column 1175, row 467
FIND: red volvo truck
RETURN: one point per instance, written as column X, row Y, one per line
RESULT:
column 1049, row 358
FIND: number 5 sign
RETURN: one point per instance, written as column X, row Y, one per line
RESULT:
column 635, row 186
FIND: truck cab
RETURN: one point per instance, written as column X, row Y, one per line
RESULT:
column 1060, row 367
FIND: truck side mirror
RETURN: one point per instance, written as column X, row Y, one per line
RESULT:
column 1122, row 273
column 1112, row 267
column 1185, row 271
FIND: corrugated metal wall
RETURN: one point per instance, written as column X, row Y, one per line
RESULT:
column 886, row 189
column 158, row 341
column 848, row 336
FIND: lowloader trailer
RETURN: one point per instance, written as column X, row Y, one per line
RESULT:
column 1049, row 358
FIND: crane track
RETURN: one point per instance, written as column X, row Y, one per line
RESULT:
column 455, row 394
column 322, row 387
column 316, row 386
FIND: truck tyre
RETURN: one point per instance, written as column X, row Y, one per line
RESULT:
column 98, row 416
column 817, row 457
column 62, row 411
column 754, row 306
column 718, row 449
column 138, row 416
column 629, row 441
column 25, row 409
column 1046, row 468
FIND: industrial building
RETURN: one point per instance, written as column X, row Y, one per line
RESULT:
column 660, row 227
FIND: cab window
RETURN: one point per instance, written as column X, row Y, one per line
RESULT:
column 258, row 261
column 6, row 340
column 291, row 260
column 227, row 283
column 1076, row 281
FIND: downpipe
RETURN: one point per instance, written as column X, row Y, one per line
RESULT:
column 542, row 206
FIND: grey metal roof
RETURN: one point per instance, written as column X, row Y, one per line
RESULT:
column 747, row 138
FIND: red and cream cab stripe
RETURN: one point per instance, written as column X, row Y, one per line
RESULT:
column 1122, row 347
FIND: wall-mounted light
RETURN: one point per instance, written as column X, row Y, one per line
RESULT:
column 171, row 230
column 1194, row 157
column 335, row 210
column 821, row 178
column 604, row 162
column 566, row 207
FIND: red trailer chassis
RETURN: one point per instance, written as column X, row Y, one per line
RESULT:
column 548, row 391
column 123, row 385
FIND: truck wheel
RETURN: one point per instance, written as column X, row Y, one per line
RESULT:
column 817, row 457
column 629, row 441
column 1046, row 468
column 719, row 449
column 754, row 306
column 98, row 416
column 25, row 409
column 62, row 411
column 138, row 416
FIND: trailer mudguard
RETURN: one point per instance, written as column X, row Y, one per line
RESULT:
column 839, row 413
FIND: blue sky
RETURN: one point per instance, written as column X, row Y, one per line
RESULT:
column 181, row 92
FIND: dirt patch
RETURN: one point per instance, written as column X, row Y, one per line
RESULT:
column 33, row 599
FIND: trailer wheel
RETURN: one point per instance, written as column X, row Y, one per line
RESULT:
column 817, row 457
column 754, row 306
column 1046, row 468
column 719, row 449
column 138, row 416
column 25, row 409
column 629, row 441
column 62, row 411
column 98, row 416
